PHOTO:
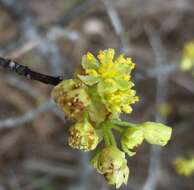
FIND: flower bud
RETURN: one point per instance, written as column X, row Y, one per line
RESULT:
column 111, row 162
column 131, row 138
column 156, row 133
column 72, row 97
column 83, row 136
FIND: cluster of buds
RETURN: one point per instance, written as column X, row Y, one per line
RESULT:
column 152, row 132
column 95, row 101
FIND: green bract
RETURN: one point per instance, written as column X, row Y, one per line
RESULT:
column 131, row 138
column 96, row 109
column 156, row 133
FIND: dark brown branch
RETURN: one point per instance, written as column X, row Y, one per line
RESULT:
column 25, row 71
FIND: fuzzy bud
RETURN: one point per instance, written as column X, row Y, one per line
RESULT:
column 83, row 136
column 72, row 97
column 111, row 162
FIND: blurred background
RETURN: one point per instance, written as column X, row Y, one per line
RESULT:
column 50, row 37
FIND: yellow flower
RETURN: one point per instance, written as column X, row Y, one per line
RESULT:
column 187, row 62
column 189, row 49
column 112, row 76
column 106, row 66
column 120, row 101
column 184, row 166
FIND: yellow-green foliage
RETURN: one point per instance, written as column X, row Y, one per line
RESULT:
column 94, row 100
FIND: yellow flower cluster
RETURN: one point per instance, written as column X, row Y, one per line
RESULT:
column 121, row 100
column 113, row 78
column 95, row 101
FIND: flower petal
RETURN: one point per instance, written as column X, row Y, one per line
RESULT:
column 89, row 61
column 89, row 79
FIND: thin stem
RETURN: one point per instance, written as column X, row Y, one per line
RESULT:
column 111, row 137
column 106, row 135
column 113, row 126
column 123, row 123
column 117, row 128
column 106, row 139
column 28, row 73
column 85, row 116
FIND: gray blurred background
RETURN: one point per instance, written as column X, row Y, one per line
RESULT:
column 50, row 37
